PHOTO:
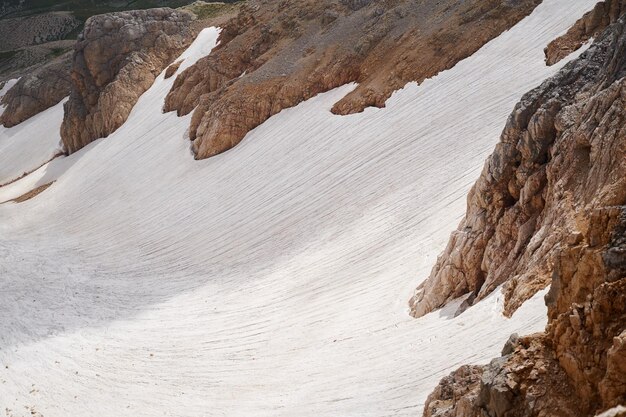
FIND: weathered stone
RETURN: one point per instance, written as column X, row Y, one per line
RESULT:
column 560, row 159
column 37, row 90
column 577, row 367
column 589, row 26
column 272, row 57
column 116, row 59
column 456, row 394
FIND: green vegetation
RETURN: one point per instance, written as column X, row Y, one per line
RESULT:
column 83, row 9
column 55, row 52
column 7, row 54
column 205, row 10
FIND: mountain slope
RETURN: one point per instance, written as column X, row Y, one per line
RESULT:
column 575, row 140
column 270, row 280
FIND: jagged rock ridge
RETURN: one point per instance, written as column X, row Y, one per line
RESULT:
column 561, row 165
column 589, row 26
column 522, row 208
column 37, row 90
column 273, row 57
column 116, row 59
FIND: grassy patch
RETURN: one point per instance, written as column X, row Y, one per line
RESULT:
column 55, row 52
column 206, row 10
column 6, row 55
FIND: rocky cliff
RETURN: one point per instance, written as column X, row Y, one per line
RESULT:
column 550, row 206
column 547, row 170
column 39, row 89
column 587, row 27
column 116, row 59
column 273, row 57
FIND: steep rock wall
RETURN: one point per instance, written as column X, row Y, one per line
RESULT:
column 37, row 90
column 116, row 59
column 577, row 367
column 552, row 167
column 272, row 57
column 589, row 26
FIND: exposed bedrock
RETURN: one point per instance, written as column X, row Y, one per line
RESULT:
column 570, row 133
column 37, row 90
column 560, row 160
column 589, row 26
column 274, row 55
column 116, row 59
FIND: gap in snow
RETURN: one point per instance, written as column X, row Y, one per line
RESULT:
column 271, row 280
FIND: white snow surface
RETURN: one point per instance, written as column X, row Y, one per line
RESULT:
column 273, row 279
column 25, row 147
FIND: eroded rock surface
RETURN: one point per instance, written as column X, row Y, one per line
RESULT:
column 456, row 394
column 571, row 132
column 274, row 55
column 116, row 59
column 37, row 90
column 589, row 26
column 558, row 160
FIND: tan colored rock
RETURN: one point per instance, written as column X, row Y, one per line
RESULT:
column 171, row 70
column 577, row 367
column 613, row 384
column 456, row 394
column 561, row 157
column 272, row 57
column 116, row 59
column 37, row 90
column 589, row 26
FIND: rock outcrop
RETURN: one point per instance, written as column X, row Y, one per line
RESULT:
column 456, row 394
column 552, row 167
column 589, row 26
column 556, row 211
column 116, row 59
column 37, row 90
column 272, row 57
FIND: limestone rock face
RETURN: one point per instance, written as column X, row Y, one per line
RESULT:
column 589, row 26
column 560, row 159
column 456, row 394
column 36, row 91
column 272, row 57
column 116, row 59
column 572, row 131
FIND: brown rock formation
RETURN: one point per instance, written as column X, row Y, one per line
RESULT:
column 573, row 129
column 171, row 70
column 589, row 26
column 456, row 394
column 272, row 57
column 116, row 59
column 551, row 168
column 37, row 90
